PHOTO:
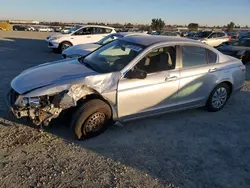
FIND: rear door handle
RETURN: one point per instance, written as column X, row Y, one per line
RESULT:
column 89, row 37
column 212, row 70
column 169, row 78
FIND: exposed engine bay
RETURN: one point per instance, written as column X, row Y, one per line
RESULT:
column 41, row 110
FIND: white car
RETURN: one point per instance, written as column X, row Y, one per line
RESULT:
column 65, row 30
column 84, row 49
column 31, row 28
column 44, row 29
column 211, row 38
column 78, row 35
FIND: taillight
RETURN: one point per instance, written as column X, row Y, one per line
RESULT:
column 242, row 67
column 229, row 38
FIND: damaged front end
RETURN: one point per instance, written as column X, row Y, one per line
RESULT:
column 42, row 109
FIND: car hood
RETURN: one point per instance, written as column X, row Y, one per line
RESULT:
column 58, row 35
column 50, row 73
column 81, row 49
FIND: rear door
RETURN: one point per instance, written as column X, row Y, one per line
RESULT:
column 198, row 75
column 222, row 37
column 212, row 39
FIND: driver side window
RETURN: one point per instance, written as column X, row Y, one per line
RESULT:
column 214, row 35
column 158, row 60
column 85, row 31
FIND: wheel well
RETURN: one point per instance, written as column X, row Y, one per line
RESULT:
column 230, row 85
column 67, row 42
column 94, row 96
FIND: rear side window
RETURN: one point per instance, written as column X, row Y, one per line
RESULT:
column 211, row 56
column 197, row 56
column 99, row 30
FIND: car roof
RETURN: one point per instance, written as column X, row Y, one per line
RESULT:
column 148, row 40
column 97, row 26
column 126, row 34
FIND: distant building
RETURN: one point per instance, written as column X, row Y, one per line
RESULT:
column 23, row 22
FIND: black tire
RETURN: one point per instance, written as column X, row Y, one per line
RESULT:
column 56, row 50
column 92, row 113
column 63, row 44
column 210, row 106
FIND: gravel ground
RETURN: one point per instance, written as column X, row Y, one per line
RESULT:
column 192, row 148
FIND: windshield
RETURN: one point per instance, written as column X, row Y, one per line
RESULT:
column 112, row 57
column 108, row 39
column 203, row 34
column 72, row 29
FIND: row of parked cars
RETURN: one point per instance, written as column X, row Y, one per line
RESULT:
column 121, row 77
column 85, row 39
column 40, row 28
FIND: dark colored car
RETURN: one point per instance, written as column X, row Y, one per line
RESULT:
column 19, row 28
column 233, row 35
column 239, row 49
column 244, row 35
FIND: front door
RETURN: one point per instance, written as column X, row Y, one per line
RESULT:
column 198, row 75
column 157, row 92
column 83, row 36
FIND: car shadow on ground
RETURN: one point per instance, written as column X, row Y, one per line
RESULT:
column 191, row 147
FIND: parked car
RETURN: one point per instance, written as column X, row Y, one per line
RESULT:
column 78, row 35
column 128, row 78
column 84, row 49
column 44, row 29
column 239, row 49
column 233, row 35
column 19, row 28
column 57, row 29
column 170, row 34
column 212, row 38
column 66, row 30
column 244, row 35
column 31, row 28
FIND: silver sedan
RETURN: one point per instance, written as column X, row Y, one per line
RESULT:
column 129, row 78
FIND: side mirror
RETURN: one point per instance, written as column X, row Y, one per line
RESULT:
column 136, row 74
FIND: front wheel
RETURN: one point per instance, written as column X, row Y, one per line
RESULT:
column 218, row 98
column 64, row 46
column 91, row 119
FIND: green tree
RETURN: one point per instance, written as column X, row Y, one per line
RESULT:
column 193, row 27
column 157, row 24
column 230, row 26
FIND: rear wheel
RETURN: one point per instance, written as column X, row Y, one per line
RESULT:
column 64, row 45
column 91, row 119
column 218, row 98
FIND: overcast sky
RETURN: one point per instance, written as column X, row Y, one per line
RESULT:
column 204, row 12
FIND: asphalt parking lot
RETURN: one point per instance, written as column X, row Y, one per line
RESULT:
column 192, row 148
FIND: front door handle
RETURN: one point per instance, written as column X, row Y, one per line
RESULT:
column 169, row 78
column 212, row 70
column 89, row 37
